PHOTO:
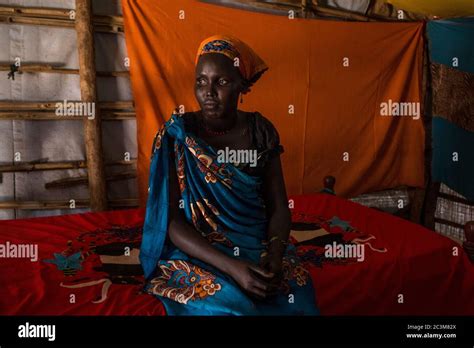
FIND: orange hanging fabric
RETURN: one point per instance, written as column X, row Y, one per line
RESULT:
column 325, row 90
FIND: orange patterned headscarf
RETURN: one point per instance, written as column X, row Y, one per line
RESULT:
column 251, row 66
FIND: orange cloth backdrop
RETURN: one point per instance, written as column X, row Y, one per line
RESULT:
column 336, row 108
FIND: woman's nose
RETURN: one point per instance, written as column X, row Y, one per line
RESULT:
column 211, row 90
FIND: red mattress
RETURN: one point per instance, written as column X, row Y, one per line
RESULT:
column 417, row 275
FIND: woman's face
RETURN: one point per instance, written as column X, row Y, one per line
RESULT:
column 217, row 86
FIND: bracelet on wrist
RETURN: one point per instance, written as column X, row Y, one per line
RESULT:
column 275, row 239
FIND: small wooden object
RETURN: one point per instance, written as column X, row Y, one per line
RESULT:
column 329, row 182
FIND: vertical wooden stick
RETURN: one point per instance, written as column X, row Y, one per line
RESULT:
column 432, row 188
column 418, row 196
column 92, row 127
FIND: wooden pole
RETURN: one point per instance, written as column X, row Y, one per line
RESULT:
column 82, row 180
column 51, row 105
column 48, row 116
column 55, row 13
column 432, row 188
column 52, row 205
column 418, row 195
column 306, row 7
column 326, row 11
column 48, row 68
column 57, row 18
column 110, row 111
column 92, row 127
column 41, row 166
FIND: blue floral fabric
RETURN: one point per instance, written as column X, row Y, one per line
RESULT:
column 226, row 206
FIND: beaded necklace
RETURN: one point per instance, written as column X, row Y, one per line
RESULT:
column 210, row 131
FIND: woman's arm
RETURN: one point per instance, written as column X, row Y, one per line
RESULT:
column 278, row 214
column 189, row 240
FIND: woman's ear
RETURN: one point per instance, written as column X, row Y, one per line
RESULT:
column 244, row 86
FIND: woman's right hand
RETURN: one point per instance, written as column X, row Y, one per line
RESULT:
column 252, row 278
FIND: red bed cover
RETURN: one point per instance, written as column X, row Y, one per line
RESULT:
column 419, row 265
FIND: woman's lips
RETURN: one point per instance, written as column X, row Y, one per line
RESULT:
column 210, row 105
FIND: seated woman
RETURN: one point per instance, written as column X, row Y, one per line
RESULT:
column 215, row 238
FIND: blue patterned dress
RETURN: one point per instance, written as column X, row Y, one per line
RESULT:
column 225, row 204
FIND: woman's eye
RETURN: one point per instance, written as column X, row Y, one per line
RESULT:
column 223, row 82
column 200, row 82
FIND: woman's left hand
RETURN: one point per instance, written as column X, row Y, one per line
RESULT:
column 272, row 262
